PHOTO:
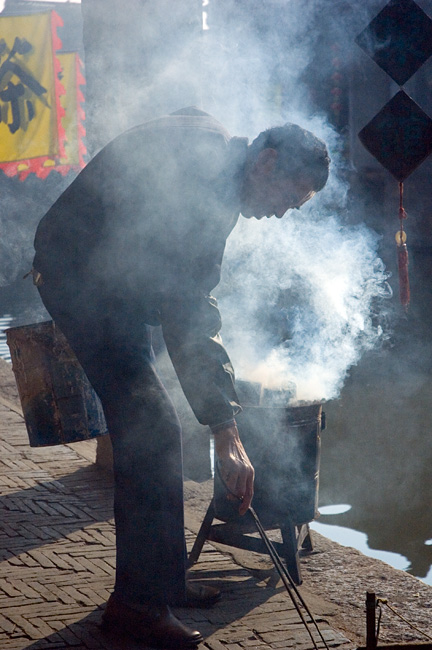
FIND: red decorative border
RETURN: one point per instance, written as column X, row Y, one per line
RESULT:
column 80, row 81
column 56, row 22
column 80, row 114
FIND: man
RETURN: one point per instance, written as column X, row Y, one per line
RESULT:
column 136, row 241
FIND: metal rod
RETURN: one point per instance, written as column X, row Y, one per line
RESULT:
column 283, row 573
column 288, row 581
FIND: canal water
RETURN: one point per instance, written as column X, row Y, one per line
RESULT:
column 359, row 540
column 375, row 477
column 19, row 305
column 5, row 321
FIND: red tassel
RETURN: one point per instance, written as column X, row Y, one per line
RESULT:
column 402, row 252
column 404, row 287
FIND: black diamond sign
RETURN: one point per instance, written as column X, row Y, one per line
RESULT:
column 399, row 136
column 399, row 39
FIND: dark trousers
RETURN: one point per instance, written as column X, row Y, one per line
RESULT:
column 113, row 345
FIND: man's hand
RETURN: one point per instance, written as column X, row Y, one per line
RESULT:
column 235, row 467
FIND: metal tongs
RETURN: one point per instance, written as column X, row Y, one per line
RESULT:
column 294, row 594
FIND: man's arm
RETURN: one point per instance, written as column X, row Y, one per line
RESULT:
column 191, row 331
column 190, row 326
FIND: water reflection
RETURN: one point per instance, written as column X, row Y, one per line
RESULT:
column 399, row 543
column 338, row 509
column 359, row 541
column 5, row 322
column 355, row 539
column 20, row 304
column 377, row 455
column 428, row 578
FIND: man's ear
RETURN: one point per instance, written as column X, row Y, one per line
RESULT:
column 265, row 163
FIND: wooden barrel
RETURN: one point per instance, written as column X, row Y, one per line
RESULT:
column 58, row 402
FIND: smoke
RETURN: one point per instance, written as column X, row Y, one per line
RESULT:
column 15, row 246
column 297, row 295
column 24, row 203
column 299, row 298
column 304, row 297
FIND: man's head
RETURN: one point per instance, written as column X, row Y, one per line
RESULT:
column 285, row 167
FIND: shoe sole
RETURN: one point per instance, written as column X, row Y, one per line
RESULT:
column 115, row 629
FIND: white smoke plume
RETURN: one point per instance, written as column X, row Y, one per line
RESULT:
column 297, row 299
column 301, row 298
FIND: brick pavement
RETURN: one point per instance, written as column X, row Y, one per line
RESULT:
column 57, row 559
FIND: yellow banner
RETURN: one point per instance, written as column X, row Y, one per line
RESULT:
column 28, row 90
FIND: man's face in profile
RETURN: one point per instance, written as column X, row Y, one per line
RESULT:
column 266, row 192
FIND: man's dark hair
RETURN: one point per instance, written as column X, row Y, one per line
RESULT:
column 300, row 153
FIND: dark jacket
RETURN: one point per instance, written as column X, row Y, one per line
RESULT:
column 148, row 218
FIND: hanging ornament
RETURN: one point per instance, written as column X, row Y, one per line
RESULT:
column 402, row 254
column 399, row 40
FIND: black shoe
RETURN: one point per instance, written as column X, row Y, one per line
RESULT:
column 154, row 625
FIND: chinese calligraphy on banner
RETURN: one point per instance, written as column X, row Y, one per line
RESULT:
column 33, row 103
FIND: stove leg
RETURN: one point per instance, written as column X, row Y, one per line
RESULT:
column 290, row 551
column 304, row 541
column 203, row 535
